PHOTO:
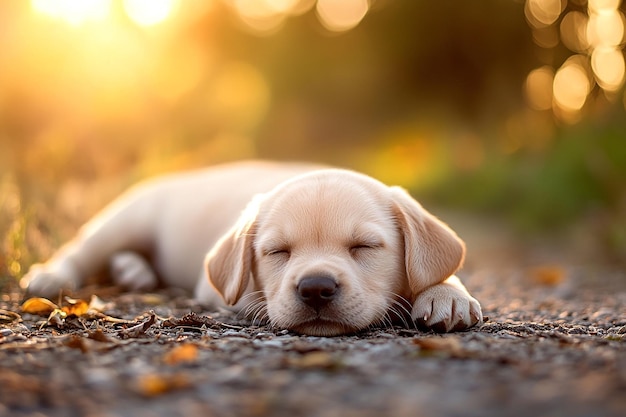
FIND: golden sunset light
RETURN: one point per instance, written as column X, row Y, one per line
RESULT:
column 150, row 12
column 74, row 12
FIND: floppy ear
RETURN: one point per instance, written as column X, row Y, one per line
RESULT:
column 228, row 264
column 432, row 251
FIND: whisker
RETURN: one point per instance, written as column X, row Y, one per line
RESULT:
column 256, row 298
column 402, row 314
column 400, row 307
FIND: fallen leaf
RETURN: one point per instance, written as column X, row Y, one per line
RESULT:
column 319, row 360
column 77, row 342
column 99, row 336
column 447, row 346
column 138, row 330
column 75, row 307
column 191, row 320
column 186, row 353
column 548, row 275
column 56, row 318
column 152, row 385
column 9, row 316
column 96, row 304
column 39, row 306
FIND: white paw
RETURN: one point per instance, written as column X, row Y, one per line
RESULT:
column 44, row 280
column 444, row 308
column 130, row 270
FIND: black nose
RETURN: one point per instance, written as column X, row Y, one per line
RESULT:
column 317, row 290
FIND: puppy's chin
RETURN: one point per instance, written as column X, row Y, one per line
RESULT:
column 322, row 327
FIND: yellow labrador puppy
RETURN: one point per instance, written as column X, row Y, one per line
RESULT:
column 314, row 250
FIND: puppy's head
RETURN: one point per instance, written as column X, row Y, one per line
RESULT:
column 332, row 252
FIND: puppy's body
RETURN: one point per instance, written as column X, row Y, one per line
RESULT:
column 315, row 250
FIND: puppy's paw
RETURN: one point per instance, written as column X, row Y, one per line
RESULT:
column 48, row 281
column 446, row 308
column 130, row 270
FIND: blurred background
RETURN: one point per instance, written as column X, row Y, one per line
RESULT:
column 508, row 113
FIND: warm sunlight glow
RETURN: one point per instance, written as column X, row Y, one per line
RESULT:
column 608, row 67
column 75, row 12
column 149, row 12
column 538, row 88
column 239, row 94
column 571, row 86
column 340, row 15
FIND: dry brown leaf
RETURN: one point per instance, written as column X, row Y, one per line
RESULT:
column 319, row 359
column 99, row 336
column 39, row 306
column 448, row 345
column 191, row 320
column 9, row 316
column 96, row 304
column 187, row 353
column 138, row 330
column 78, row 342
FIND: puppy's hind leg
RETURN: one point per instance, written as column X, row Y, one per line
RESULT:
column 132, row 271
column 125, row 225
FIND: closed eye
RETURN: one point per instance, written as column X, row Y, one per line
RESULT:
column 275, row 252
column 362, row 248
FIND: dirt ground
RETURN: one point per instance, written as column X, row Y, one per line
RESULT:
column 553, row 344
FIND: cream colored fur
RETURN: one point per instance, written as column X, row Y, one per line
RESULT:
column 248, row 234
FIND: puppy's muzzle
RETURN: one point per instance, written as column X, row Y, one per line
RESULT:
column 317, row 291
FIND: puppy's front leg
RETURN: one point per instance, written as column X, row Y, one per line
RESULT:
column 446, row 307
column 58, row 273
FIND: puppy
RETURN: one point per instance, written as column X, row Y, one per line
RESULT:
column 314, row 250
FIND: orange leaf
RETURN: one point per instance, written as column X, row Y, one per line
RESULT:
column 152, row 385
column 38, row 306
column 187, row 353
column 75, row 307
column 548, row 275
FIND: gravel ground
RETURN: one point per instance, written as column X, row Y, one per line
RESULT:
column 553, row 344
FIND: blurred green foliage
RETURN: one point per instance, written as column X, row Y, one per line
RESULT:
column 577, row 181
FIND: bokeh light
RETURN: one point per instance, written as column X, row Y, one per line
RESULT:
column 149, row 12
column 605, row 28
column 541, row 13
column 341, row 15
column 571, row 85
column 573, row 31
column 546, row 37
column 266, row 17
column 601, row 5
column 261, row 16
column 608, row 67
column 596, row 35
column 538, row 88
